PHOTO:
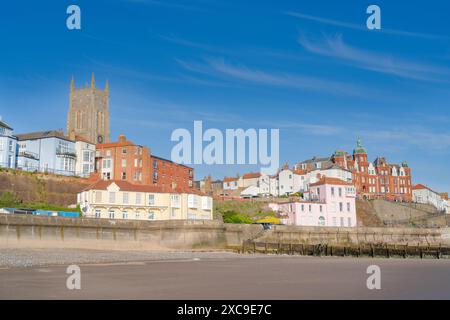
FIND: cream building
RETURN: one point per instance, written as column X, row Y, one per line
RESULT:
column 122, row 200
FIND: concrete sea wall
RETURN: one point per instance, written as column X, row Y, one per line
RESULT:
column 57, row 232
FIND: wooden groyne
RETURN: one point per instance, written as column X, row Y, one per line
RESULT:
column 348, row 250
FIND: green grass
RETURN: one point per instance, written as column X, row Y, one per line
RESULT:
column 9, row 200
column 241, row 211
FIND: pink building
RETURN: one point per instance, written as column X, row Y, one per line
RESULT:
column 329, row 202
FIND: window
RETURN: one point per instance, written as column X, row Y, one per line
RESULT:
column 125, row 197
column 206, row 203
column 175, row 200
column 151, row 215
column 342, row 221
column 138, row 198
column 106, row 164
column 349, row 221
column 123, row 176
column 10, row 146
column 340, row 192
column 151, row 199
column 111, row 214
column 98, row 213
column 332, row 191
column 86, row 168
column 124, row 163
column 320, row 208
column 303, row 207
column 321, row 221
column 86, row 156
column 348, row 206
column 124, row 215
column 108, row 153
column 124, row 150
column 341, row 206
column 334, row 221
column 173, row 213
column 98, row 196
column 309, row 208
column 112, row 197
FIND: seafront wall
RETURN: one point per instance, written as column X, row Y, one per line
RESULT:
column 57, row 232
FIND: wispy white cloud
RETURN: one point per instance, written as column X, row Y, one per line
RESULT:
column 362, row 27
column 412, row 136
column 220, row 68
column 337, row 48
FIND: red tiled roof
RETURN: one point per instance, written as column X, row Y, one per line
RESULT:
column 329, row 180
column 421, row 187
column 127, row 186
column 229, row 179
column 251, row 175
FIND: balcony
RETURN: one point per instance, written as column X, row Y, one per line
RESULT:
column 28, row 154
column 66, row 153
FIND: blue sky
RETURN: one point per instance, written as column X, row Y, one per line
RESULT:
column 309, row 68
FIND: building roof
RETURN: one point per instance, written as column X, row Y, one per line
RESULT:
column 170, row 161
column 229, row 179
column 43, row 135
column 251, row 175
column 359, row 148
column 4, row 124
column 329, row 180
column 315, row 160
column 420, row 186
column 127, row 186
column 82, row 139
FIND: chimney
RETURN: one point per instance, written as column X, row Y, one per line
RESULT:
column 122, row 138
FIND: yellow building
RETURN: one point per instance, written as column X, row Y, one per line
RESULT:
column 122, row 200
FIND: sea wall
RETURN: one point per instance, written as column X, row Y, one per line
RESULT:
column 57, row 232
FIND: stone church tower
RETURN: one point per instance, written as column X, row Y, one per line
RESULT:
column 88, row 114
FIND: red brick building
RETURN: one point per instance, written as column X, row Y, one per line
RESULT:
column 167, row 172
column 377, row 179
column 123, row 160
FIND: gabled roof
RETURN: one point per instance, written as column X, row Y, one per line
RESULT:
column 42, row 135
column 329, row 180
column 423, row 187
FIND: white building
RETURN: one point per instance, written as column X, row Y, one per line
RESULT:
column 46, row 151
column 111, row 199
column 423, row 194
column 8, row 146
column 85, row 151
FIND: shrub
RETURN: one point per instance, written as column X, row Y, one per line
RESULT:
column 8, row 199
column 233, row 217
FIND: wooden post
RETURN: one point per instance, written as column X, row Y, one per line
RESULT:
column 279, row 248
column 254, row 247
column 265, row 247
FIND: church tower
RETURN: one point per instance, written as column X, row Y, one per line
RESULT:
column 88, row 114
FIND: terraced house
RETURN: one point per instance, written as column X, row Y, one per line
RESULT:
column 123, row 200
